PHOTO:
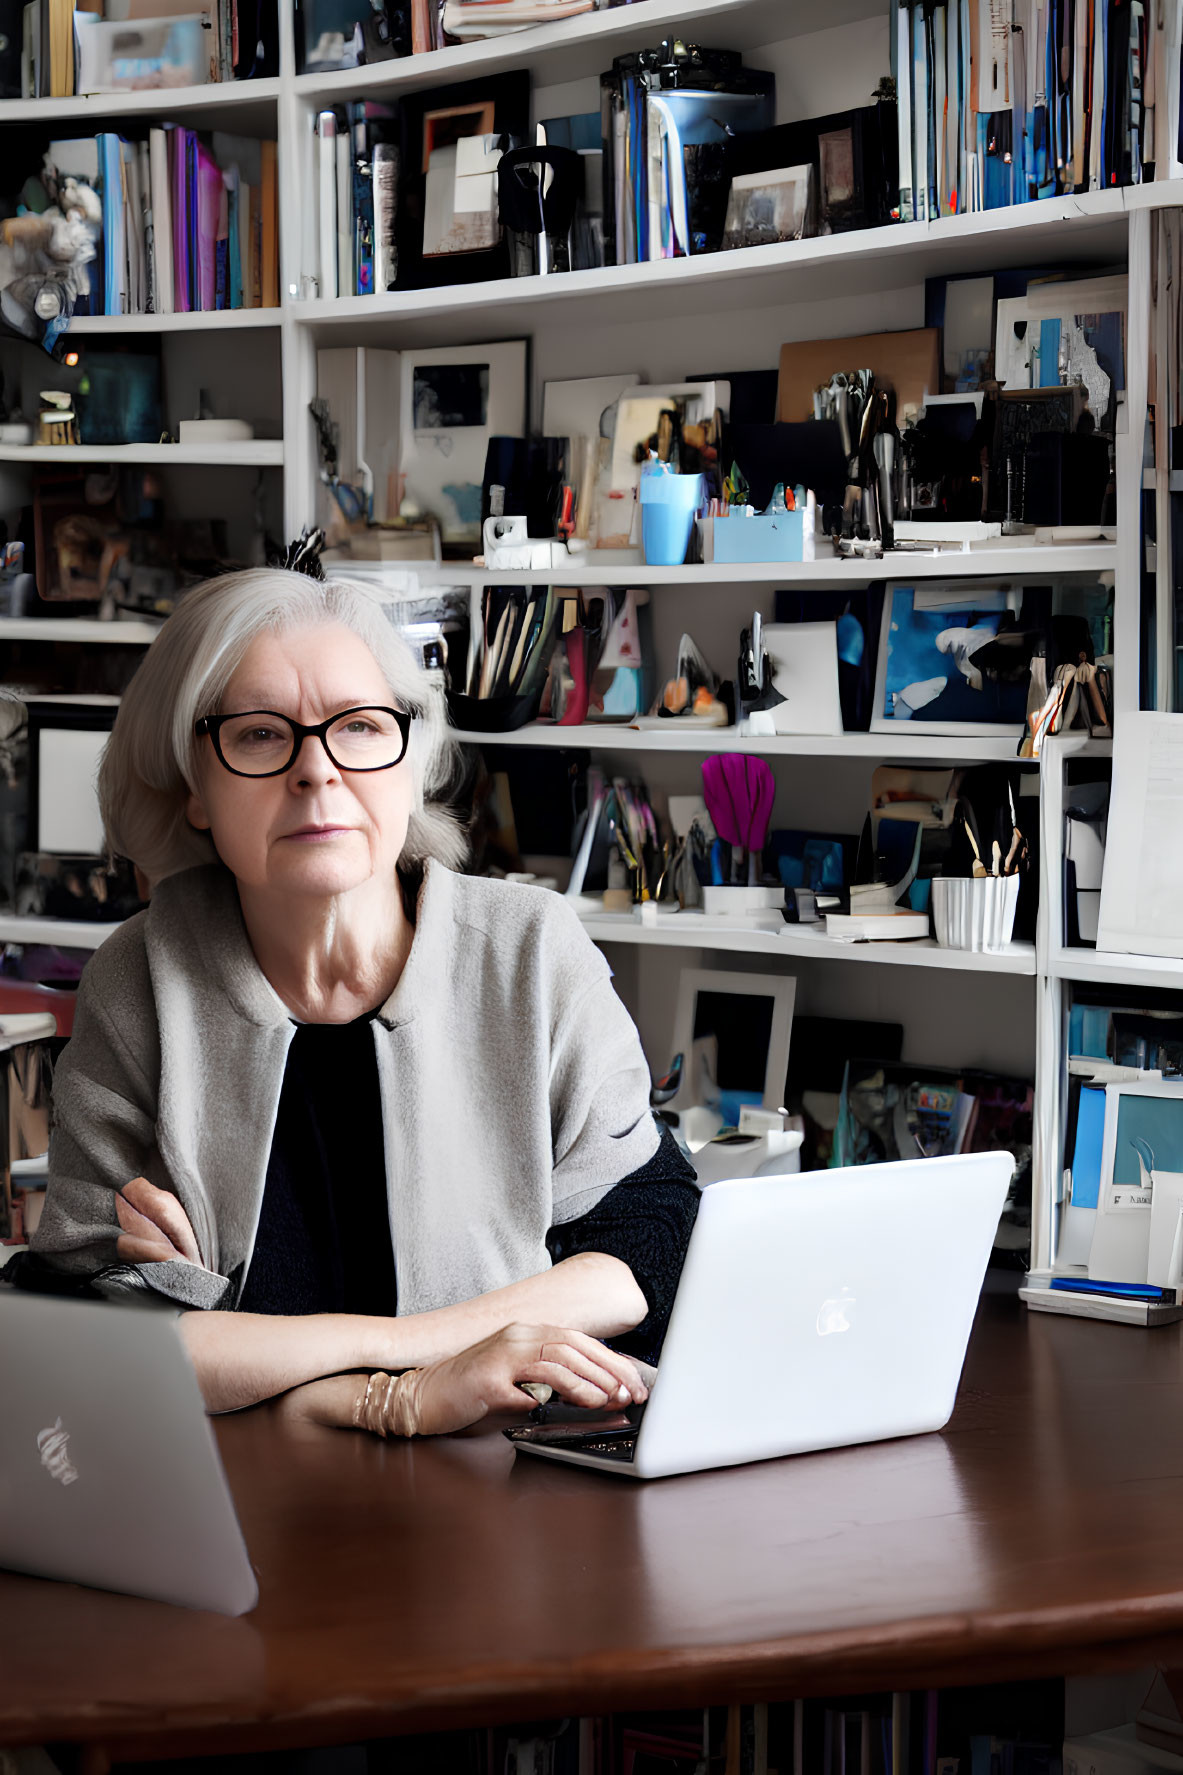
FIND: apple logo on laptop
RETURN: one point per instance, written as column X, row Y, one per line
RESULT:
column 54, row 1458
column 834, row 1315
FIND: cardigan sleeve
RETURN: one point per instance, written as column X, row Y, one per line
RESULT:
column 104, row 1134
column 602, row 1128
column 645, row 1220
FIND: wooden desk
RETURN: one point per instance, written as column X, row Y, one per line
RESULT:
column 409, row 1587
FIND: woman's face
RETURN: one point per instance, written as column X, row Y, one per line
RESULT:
column 316, row 830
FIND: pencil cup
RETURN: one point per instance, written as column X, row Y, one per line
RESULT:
column 978, row 915
column 668, row 507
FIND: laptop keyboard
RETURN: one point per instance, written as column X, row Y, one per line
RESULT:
column 614, row 1440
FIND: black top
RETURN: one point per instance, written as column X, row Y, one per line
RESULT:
column 323, row 1244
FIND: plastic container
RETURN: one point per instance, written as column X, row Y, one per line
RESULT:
column 493, row 714
column 977, row 915
column 669, row 504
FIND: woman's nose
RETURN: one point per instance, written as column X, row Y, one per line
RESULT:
column 312, row 764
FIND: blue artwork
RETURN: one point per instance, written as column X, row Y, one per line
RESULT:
column 930, row 669
column 1155, row 1124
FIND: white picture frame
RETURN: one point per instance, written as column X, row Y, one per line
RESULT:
column 780, row 988
column 447, row 414
column 1120, row 1249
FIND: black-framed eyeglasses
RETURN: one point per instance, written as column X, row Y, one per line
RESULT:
column 264, row 743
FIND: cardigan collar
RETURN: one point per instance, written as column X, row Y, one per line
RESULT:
column 201, row 908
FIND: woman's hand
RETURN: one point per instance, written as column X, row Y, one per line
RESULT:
column 155, row 1226
column 485, row 1380
column 488, row 1378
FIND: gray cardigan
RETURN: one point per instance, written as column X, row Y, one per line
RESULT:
column 514, row 1090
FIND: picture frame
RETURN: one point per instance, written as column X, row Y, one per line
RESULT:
column 768, row 207
column 759, row 1008
column 926, row 635
column 497, row 104
column 1028, row 330
column 1149, row 1113
column 66, row 745
column 452, row 400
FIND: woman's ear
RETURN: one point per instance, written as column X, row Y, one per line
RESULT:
column 196, row 815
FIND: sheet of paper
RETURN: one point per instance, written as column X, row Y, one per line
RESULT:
column 1141, row 901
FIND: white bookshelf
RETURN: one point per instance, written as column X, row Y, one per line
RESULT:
column 670, row 739
column 253, row 453
column 694, row 930
column 227, row 320
column 1022, row 562
column 77, row 629
column 62, row 933
column 725, row 312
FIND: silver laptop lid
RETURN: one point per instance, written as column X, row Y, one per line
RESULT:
column 821, row 1310
column 109, row 1474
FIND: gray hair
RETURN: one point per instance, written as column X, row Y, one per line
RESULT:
column 149, row 767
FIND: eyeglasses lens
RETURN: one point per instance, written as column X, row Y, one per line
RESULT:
column 363, row 739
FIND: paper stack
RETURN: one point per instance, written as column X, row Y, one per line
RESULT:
column 493, row 18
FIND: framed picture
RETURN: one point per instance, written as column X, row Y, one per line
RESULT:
column 66, row 744
column 1073, row 332
column 453, row 400
column 439, row 242
column 926, row 674
column 764, row 208
column 733, row 1030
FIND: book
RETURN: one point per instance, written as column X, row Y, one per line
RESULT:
column 162, row 228
column 111, row 175
column 385, row 173
column 876, row 927
column 269, row 205
column 344, row 173
column 326, row 187
column 209, row 202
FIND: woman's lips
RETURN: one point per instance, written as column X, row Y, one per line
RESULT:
column 317, row 834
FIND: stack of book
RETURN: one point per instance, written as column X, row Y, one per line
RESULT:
column 357, row 203
column 1008, row 102
column 189, row 223
column 493, row 18
column 126, row 45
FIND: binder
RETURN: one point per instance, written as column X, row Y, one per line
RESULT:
column 209, row 202
column 114, row 250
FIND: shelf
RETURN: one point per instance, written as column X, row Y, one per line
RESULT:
column 1002, row 563
column 1099, row 967
column 77, row 628
column 63, row 933
column 693, row 930
column 256, row 453
column 1174, row 480
column 607, row 737
column 571, row 48
column 1090, row 228
column 205, row 321
column 247, row 106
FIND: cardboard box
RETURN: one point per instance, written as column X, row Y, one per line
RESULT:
column 908, row 362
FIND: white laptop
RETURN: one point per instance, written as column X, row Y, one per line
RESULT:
column 109, row 1474
column 812, row 1312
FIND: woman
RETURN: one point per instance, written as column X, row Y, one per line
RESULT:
column 325, row 1079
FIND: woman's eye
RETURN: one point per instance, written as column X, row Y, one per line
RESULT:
column 259, row 736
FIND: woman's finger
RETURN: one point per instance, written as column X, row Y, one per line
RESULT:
column 165, row 1212
column 585, row 1367
column 625, row 1371
column 569, row 1386
column 134, row 1249
column 132, row 1221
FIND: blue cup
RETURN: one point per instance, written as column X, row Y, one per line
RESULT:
column 668, row 507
